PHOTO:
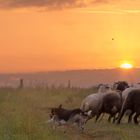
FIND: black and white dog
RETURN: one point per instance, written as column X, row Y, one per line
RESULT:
column 60, row 116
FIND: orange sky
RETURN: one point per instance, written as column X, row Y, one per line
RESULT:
column 33, row 39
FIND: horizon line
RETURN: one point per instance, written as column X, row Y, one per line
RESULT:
column 48, row 71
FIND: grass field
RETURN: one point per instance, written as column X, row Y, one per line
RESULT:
column 23, row 116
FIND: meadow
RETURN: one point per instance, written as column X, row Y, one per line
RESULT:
column 24, row 113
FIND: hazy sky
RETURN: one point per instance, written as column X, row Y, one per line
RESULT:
column 42, row 35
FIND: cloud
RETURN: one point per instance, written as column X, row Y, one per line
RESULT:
column 58, row 4
column 61, row 4
column 40, row 3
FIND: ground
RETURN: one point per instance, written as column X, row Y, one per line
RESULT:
column 24, row 112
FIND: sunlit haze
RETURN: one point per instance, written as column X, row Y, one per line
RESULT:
column 37, row 36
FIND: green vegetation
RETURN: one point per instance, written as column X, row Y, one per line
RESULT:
column 23, row 116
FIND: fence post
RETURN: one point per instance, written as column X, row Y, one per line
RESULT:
column 21, row 83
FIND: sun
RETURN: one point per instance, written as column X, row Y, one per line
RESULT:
column 126, row 66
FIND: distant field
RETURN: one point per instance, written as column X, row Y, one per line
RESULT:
column 23, row 116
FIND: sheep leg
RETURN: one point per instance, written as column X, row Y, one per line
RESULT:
column 101, row 117
column 97, row 116
column 120, row 116
column 109, row 118
column 135, row 118
column 114, row 118
column 130, row 117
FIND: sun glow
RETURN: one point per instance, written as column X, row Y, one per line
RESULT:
column 126, row 66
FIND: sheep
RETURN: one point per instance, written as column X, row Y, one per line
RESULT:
column 120, row 85
column 125, row 94
column 93, row 102
column 103, row 88
column 97, row 102
column 132, row 102
column 105, row 101
column 112, row 103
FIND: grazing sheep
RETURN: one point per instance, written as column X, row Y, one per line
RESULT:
column 132, row 102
